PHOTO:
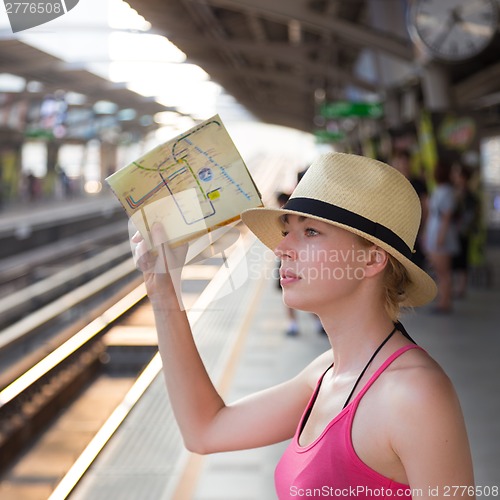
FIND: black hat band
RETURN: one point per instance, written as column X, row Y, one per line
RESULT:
column 341, row 215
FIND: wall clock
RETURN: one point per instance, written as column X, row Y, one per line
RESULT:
column 453, row 30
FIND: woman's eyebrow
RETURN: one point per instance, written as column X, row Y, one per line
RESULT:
column 301, row 218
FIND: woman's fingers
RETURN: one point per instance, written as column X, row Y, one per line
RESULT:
column 162, row 257
column 144, row 258
column 137, row 237
column 175, row 255
column 158, row 235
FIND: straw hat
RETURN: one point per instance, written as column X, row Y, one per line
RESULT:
column 363, row 196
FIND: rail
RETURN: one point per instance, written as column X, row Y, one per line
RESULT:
column 43, row 291
column 17, row 266
column 26, row 326
column 54, row 379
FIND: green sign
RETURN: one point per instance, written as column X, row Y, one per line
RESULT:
column 327, row 136
column 347, row 109
column 39, row 133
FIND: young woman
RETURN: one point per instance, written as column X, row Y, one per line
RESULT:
column 441, row 235
column 375, row 416
column 468, row 220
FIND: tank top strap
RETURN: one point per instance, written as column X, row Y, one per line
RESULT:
column 382, row 368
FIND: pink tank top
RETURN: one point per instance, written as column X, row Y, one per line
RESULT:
column 329, row 466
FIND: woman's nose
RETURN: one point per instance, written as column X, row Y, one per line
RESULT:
column 283, row 250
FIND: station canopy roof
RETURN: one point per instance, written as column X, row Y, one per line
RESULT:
column 279, row 58
column 45, row 74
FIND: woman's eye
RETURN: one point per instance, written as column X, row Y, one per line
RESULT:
column 311, row 232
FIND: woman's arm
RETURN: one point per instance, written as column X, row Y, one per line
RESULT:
column 206, row 423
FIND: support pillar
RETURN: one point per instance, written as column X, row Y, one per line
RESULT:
column 436, row 88
column 50, row 182
column 108, row 159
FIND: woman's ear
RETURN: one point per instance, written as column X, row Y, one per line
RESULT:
column 377, row 260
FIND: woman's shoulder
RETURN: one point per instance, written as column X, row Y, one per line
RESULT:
column 416, row 364
column 416, row 384
column 424, row 422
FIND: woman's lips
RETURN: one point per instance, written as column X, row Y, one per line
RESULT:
column 287, row 277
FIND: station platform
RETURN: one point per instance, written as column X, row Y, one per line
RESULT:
column 17, row 216
column 242, row 340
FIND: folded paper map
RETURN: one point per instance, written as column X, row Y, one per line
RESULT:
column 191, row 184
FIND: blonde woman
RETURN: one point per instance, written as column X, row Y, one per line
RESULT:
column 373, row 417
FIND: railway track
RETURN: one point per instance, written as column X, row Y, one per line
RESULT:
column 109, row 351
column 37, row 318
column 21, row 270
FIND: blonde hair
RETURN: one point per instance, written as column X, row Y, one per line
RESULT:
column 395, row 282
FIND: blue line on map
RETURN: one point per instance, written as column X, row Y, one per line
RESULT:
column 137, row 203
column 185, row 151
column 172, row 176
column 223, row 170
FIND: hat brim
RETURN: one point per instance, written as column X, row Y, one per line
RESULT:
column 266, row 224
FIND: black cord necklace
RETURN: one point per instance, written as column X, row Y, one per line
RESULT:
column 369, row 362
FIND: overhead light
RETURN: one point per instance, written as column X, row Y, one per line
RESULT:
column 166, row 117
column 75, row 98
column 127, row 114
column 105, row 108
column 294, row 32
column 126, row 47
column 34, row 86
column 319, row 95
column 146, row 120
column 121, row 15
column 11, row 83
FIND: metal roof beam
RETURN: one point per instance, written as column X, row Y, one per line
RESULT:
column 295, row 57
column 284, row 10
column 478, row 85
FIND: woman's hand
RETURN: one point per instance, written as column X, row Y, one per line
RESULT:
column 162, row 266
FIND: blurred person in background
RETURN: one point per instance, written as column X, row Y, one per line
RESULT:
column 467, row 220
column 401, row 161
column 441, row 236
